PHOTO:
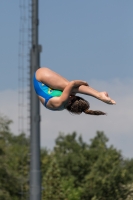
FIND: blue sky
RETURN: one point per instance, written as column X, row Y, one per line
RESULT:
column 80, row 39
column 88, row 40
column 93, row 38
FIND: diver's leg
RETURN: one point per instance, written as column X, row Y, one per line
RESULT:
column 87, row 90
column 51, row 78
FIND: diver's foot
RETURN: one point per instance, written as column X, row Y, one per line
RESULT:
column 105, row 98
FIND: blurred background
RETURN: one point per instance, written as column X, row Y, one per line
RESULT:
column 87, row 40
column 82, row 157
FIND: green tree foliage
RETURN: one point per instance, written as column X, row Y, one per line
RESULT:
column 129, row 166
column 95, row 170
column 13, row 159
column 71, row 192
column 74, row 170
column 72, row 155
column 46, row 158
column 52, row 183
column 4, row 124
column 108, row 176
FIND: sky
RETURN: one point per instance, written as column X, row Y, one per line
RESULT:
column 87, row 40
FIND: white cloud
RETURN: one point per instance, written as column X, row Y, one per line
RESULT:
column 117, row 125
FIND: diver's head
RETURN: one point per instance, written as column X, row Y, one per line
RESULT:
column 77, row 105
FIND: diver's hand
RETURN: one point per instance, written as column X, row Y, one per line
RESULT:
column 78, row 83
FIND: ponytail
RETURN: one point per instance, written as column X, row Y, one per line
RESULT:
column 94, row 112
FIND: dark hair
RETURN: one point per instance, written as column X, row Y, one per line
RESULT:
column 78, row 105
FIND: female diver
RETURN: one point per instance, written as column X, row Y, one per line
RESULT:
column 57, row 93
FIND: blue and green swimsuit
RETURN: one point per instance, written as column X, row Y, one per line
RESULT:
column 45, row 91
